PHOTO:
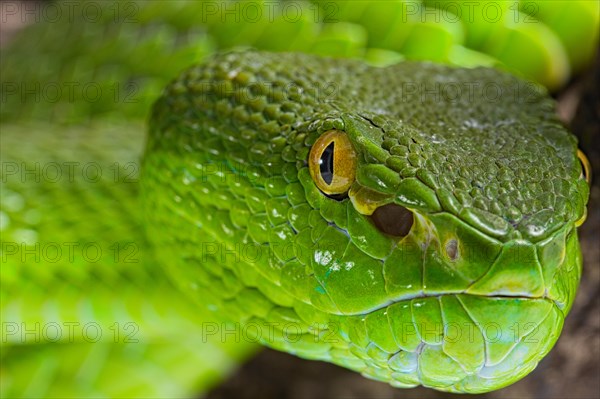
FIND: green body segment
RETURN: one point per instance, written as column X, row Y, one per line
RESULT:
column 542, row 41
column 240, row 221
column 83, row 301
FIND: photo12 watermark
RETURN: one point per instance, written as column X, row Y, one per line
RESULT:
column 64, row 253
column 70, row 92
column 255, row 12
column 70, row 11
column 69, row 172
column 490, row 12
column 69, row 332
column 265, row 331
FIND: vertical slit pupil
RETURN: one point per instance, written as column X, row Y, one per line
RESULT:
column 326, row 164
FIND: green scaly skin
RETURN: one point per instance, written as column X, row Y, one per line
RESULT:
column 245, row 231
column 170, row 358
column 106, row 317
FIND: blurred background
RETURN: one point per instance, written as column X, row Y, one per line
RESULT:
column 129, row 50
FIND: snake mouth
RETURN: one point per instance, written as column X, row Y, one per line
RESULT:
column 421, row 296
column 393, row 219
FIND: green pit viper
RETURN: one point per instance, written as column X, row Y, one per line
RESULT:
column 415, row 223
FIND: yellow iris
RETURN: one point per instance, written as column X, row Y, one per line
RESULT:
column 332, row 163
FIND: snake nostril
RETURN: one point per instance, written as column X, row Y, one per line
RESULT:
column 393, row 219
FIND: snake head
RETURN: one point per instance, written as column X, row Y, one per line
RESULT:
column 416, row 240
column 467, row 238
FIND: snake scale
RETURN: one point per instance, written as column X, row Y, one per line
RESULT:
column 415, row 223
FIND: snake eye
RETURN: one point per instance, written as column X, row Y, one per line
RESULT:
column 586, row 168
column 332, row 163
